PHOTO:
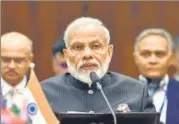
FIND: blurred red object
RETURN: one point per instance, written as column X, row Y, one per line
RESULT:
column 17, row 120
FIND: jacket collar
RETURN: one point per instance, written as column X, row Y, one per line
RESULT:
column 163, row 82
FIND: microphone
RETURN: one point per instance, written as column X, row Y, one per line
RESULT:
column 94, row 78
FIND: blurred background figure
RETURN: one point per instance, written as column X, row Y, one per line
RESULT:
column 16, row 57
column 153, row 53
column 177, row 58
column 58, row 61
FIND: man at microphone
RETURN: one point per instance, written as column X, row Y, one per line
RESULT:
column 89, row 49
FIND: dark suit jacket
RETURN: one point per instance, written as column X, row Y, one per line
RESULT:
column 65, row 93
column 173, row 102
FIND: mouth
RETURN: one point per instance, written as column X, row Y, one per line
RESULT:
column 153, row 69
column 12, row 73
column 88, row 67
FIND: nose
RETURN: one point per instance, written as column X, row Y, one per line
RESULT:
column 12, row 64
column 87, row 53
column 153, row 59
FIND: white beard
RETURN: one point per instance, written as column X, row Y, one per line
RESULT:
column 84, row 76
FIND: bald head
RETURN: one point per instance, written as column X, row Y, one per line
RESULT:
column 16, row 56
column 16, row 39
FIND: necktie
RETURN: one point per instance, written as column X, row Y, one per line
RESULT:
column 9, row 98
column 11, row 92
column 153, row 88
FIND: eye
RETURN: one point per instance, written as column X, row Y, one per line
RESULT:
column 6, row 59
column 145, row 53
column 96, row 46
column 160, row 54
column 19, row 60
column 77, row 47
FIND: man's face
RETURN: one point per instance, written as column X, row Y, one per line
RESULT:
column 88, row 51
column 153, row 56
column 59, row 64
column 15, row 60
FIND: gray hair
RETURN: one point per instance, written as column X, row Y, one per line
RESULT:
column 84, row 21
column 177, row 44
column 10, row 36
column 155, row 31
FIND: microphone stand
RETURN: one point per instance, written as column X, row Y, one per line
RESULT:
column 113, row 114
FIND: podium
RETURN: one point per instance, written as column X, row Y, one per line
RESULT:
column 99, row 118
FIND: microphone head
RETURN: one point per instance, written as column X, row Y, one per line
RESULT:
column 93, row 76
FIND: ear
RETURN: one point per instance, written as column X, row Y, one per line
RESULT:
column 135, row 56
column 31, row 56
column 65, row 51
column 30, row 59
column 110, row 50
column 173, row 60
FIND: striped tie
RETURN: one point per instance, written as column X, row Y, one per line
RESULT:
column 153, row 88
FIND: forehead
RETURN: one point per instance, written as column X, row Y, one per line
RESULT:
column 14, row 49
column 87, row 34
column 153, row 43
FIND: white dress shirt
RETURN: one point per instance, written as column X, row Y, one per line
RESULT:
column 14, row 95
column 19, row 95
column 159, row 98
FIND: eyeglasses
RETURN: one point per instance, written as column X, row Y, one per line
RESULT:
column 158, row 54
column 17, row 60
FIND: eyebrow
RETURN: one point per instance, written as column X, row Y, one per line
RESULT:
column 75, row 42
column 81, row 42
column 95, row 40
column 13, row 56
column 152, row 50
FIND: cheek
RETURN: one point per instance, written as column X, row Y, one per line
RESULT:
column 141, row 61
column 143, row 67
column 142, row 64
column 165, row 61
column 164, row 64
column 101, row 58
column 3, row 69
column 74, row 59
column 23, row 69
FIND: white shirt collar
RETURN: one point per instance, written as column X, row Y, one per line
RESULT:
column 163, row 82
column 6, row 87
